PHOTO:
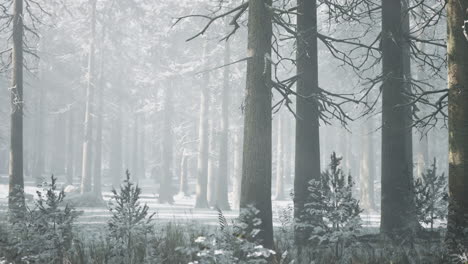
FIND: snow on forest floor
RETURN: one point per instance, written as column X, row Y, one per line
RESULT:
column 182, row 211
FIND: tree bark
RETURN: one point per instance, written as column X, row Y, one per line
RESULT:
column 16, row 177
column 256, row 165
column 307, row 165
column 86, row 178
column 398, row 214
column 457, row 226
column 202, row 167
column 222, row 201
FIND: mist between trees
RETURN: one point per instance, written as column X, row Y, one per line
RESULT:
column 334, row 111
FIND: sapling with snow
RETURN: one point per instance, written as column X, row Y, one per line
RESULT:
column 333, row 213
column 129, row 224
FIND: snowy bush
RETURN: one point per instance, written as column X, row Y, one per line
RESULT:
column 333, row 213
column 42, row 234
column 129, row 225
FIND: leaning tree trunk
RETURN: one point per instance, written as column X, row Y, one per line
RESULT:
column 398, row 215
column 16, row 180
column 457, row 226
column 201, row 200
column 166, row 191
column 256, row 164
column 223, row 175
column 86, row 177
column 307, row 165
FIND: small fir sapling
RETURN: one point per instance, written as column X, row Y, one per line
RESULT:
column 431, row 196
column 130, row 222
column 333, row 212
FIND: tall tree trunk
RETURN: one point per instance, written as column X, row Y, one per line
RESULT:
column 288, row 149
column 423, row 155
column 116, row 158
column 237, row 169
column 307, row 165
column 280, row 161
column 70, row 145
column 97, row 180
column 58, row 148
column 212, row 159
column 183, row 187
column 166, row 191
column 86, row 178
column 39, row 153
column 457, row 14
column 256, row 164
column 201, row 200
column 135, row 150
column 367, row 170
column 398, row 215
column 16, row 180
column 141, row 160
column 223, row 174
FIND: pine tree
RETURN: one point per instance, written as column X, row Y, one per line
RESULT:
column 333, row 213
column 431, row 196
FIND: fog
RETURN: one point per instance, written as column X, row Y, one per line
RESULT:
column 184, row 102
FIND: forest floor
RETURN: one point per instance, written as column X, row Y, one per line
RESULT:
column 181, row 211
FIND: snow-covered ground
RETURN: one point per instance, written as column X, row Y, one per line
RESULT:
column 181, row 211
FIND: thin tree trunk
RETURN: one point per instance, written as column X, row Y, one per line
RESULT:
column 58, row 157
column 202, row 167
column 166, row 191
column 97, row 188
column 135, row 150
column 39, row 153
column 457, row 15
column 367, row 170
column 70, row 146
column 237, row 169
column 256, row 164
column 16, row 178
column 398, row 215
column 183, row 186
column 210, row 194
column 141, row 163
column 222, row 201
column 116, row 159
column 307, row 165
column 86, row 178
column 280, row 160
